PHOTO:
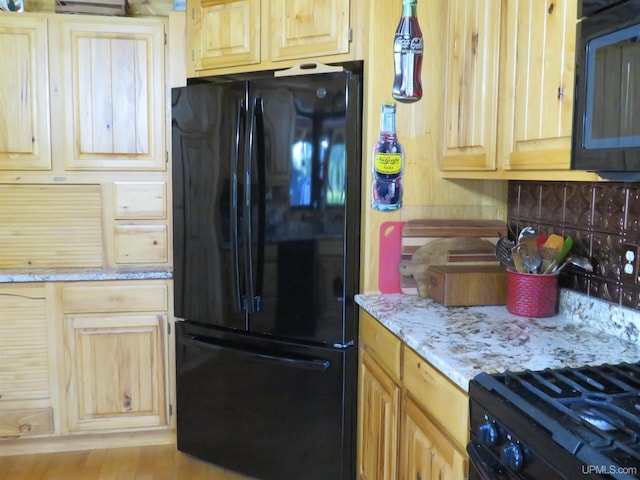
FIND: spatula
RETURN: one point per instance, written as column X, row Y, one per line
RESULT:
column 550, row 251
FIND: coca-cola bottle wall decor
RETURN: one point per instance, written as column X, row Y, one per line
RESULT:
column 407, row 55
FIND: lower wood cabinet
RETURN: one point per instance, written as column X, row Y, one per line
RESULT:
column 379, row 417
column 114, row 343
column 116, row 371
column 425, row 450
column 26, row 376
column 378, row 401
column 84, row 357
column 412, row 421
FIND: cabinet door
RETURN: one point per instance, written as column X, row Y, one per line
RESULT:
column 116, row 371
column 108, row 92
column 223, row 33
column 538, row 73
column 24, row 358
column 379, row 399
column 301, row 29
column 25, row 388
column 425, row 451
column 24, row 111
column 471, row 102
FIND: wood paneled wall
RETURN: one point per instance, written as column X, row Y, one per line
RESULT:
column 420, row 129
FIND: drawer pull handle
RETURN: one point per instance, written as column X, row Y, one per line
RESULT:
column 24, row 428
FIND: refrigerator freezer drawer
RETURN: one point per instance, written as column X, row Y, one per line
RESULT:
column 267, row 412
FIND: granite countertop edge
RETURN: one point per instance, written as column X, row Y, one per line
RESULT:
column 79, row 274
column 465, row 341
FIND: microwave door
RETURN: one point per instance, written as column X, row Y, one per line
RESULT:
column 606, row 127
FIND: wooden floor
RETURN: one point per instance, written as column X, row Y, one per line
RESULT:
column 131, row 463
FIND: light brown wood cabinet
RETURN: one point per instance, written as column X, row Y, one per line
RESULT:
column 84, row 357
column 24, row 114
column 27, row 369
column 378, row 401
column 107, row 92
column 115, row 342
column 471, row 99
column 83, row 160
column 84, row 184
column 412, row 421
column 509, row 90
column 537, row 82
column 85, row 89
column 247, row 35
column 426, row 451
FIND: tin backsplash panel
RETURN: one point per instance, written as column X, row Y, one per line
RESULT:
column 602, row 218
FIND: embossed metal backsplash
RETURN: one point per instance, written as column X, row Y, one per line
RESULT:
column 601, row 218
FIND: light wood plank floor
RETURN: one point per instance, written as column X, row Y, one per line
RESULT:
column 161, row 462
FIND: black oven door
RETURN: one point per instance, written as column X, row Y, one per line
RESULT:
column 606, row 122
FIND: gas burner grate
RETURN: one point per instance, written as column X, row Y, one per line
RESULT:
column 599, row 405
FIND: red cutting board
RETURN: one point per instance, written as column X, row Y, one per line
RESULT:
column 389, row 257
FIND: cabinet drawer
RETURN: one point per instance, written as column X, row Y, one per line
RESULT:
column 114, row 298
column 444, row 401
column 140, row 200
column 141, row 244
column 36, row 421
column 381, row 344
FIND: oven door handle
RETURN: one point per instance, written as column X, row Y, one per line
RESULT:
column 478, row 459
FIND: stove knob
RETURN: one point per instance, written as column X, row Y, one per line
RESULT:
column 488, row 433
column 512, row 457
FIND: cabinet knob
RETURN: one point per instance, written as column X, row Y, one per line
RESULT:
column 24, row 428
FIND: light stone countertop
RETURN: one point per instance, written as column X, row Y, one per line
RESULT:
column 79, row 274
column 464, row 341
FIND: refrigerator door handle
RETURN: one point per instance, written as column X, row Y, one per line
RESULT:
column 261, row 200
column 308, row 363
column 255, row 143
column 235, row 212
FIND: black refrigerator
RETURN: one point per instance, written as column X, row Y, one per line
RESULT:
column 266, row 214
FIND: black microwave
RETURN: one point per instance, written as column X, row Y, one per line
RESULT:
column 606, row 113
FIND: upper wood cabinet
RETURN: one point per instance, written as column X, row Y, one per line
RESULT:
column 223, row 33
column 82, row 92
column 107, row 91
column 471, row 99
column 244, row 35
column 24, row 110
column 538, row 80
column 509, row 90
column 302, row 29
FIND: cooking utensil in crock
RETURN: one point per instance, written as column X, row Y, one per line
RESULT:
column 578, row 261
column 503, row 251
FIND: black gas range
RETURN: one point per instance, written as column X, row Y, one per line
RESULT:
column 570, row 424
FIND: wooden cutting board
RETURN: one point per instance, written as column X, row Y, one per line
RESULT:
column 418, row 233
